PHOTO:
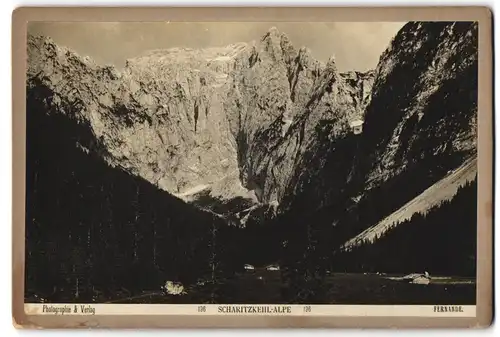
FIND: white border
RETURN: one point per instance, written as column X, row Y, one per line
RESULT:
column 252, row 310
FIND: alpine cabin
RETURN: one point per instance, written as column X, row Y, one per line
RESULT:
column 357, row 126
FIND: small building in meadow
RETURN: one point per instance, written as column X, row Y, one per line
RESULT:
column 174, row 288
column 249, row 267
column 356, row 126
column 418, row 278
column 273, row 267
column 421, row 280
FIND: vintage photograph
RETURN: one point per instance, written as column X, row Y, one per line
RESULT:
column 251, row 163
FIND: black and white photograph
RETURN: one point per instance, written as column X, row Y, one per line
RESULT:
column 252, row 163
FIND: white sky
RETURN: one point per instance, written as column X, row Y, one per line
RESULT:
column 356, row 45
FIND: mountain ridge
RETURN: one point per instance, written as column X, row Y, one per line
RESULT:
column 258, row 134
column 128, row 111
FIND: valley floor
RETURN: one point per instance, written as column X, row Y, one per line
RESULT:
column 265, row 287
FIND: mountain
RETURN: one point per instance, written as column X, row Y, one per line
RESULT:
column 434, row 115
column 252, row 141
column 218, row 119
column 281, row 106
column 421, row 122
column 157, row 118
column 423, row 152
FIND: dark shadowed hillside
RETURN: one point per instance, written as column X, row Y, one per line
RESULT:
column 420, row 124
column 438, row 241
column 93, row 229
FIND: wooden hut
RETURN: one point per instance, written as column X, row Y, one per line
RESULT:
column 356, row 126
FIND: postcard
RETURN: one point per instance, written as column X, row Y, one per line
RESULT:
column 252, row 167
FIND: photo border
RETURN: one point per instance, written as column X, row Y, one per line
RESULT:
column 483, row 15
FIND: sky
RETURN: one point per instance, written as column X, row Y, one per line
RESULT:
column 355, row 45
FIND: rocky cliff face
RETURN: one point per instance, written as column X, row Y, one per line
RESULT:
column 426, row 92
column 360, row 88
column 233, row 122
column 283, row 107
column 420, row 125
column 159, row 118
column 263, row 126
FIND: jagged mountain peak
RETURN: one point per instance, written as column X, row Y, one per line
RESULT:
column 157, row 120
column 272, row 33
column 331, row 65
column 276, row 45
column 184, row 118
column 307, row 60
column 41, row 48
column 304, row 54
column 180, row 54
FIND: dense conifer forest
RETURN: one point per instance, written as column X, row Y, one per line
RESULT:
column 441, row 241
column 94, row 229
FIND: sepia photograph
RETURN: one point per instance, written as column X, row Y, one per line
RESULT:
column 245, row 164
column 214, row 170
